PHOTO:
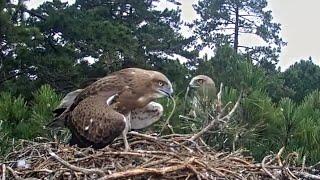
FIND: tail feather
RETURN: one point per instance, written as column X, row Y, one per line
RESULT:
column 57, row 112
column 58, row 122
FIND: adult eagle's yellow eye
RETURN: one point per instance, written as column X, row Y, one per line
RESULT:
column 161, row 83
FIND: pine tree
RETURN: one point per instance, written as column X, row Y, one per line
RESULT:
column 224, row 21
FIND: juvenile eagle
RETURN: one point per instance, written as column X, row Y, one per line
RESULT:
column 203, row 92
column 103, row 110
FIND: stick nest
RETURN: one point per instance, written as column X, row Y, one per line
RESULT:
column 151, row 157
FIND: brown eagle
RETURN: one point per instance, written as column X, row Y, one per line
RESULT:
column 112, row 105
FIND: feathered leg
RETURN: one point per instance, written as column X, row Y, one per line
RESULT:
column 125, row 131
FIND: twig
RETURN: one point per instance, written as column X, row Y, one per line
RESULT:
column 239, row 160
column 14, row 174
column 225, row 107
column 306, row 175
column 315, row 165
column 75, row 168
column 187, row 118
column 303, row 163
column 143, row 135
column 141, row 171
column 153, row 163
column 161, row 152
column 290, row 173
column 212, row 123
column 265, row 169
column 278, row 156
column 228, row 116
column 167, row 123
column 219, row 101
column 194, row 171
column 3, row 171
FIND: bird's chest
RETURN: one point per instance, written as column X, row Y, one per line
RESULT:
column 126, row 106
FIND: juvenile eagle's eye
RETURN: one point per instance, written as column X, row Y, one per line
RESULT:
column 161, row 83
column 200, row 81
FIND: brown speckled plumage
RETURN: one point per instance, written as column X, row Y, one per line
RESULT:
column 92, row 121
column 95, row 123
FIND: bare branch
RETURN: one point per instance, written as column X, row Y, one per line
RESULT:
column 14, row 174
column 307, row 175
column 264, row 167
column 219, row 101
column 228, row 116
column 278, row 156
column 140, row 171
column 3, row 171
column 75, row 168
column 218, row 119
column 248, row 15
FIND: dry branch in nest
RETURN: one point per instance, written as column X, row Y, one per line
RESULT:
column 153, row 157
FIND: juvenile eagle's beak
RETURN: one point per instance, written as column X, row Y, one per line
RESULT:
column 193, row 84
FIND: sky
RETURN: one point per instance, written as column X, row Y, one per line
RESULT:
column 298, row 21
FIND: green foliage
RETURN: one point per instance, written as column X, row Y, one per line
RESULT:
column 305, row 137
column 5, row 141
column 19, row 120
column 260, row 113
column 12, row 112
column 51, row 45
column 303, row 77
column 287, row 122
column 45, row 100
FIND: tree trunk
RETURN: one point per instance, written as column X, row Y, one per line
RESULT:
column 236, row 30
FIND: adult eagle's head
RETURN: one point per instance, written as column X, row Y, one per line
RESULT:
column 160, row 85
column 140, row 87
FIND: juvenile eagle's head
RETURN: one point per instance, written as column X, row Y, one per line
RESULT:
column 201, row 80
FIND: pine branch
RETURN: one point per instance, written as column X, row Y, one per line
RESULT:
column 24, row 9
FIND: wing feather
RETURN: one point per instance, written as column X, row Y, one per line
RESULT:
column 95, row 123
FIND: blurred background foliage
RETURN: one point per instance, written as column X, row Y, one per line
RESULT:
column 56, row 48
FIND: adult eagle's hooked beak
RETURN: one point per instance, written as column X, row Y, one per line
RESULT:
column 167, row 91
